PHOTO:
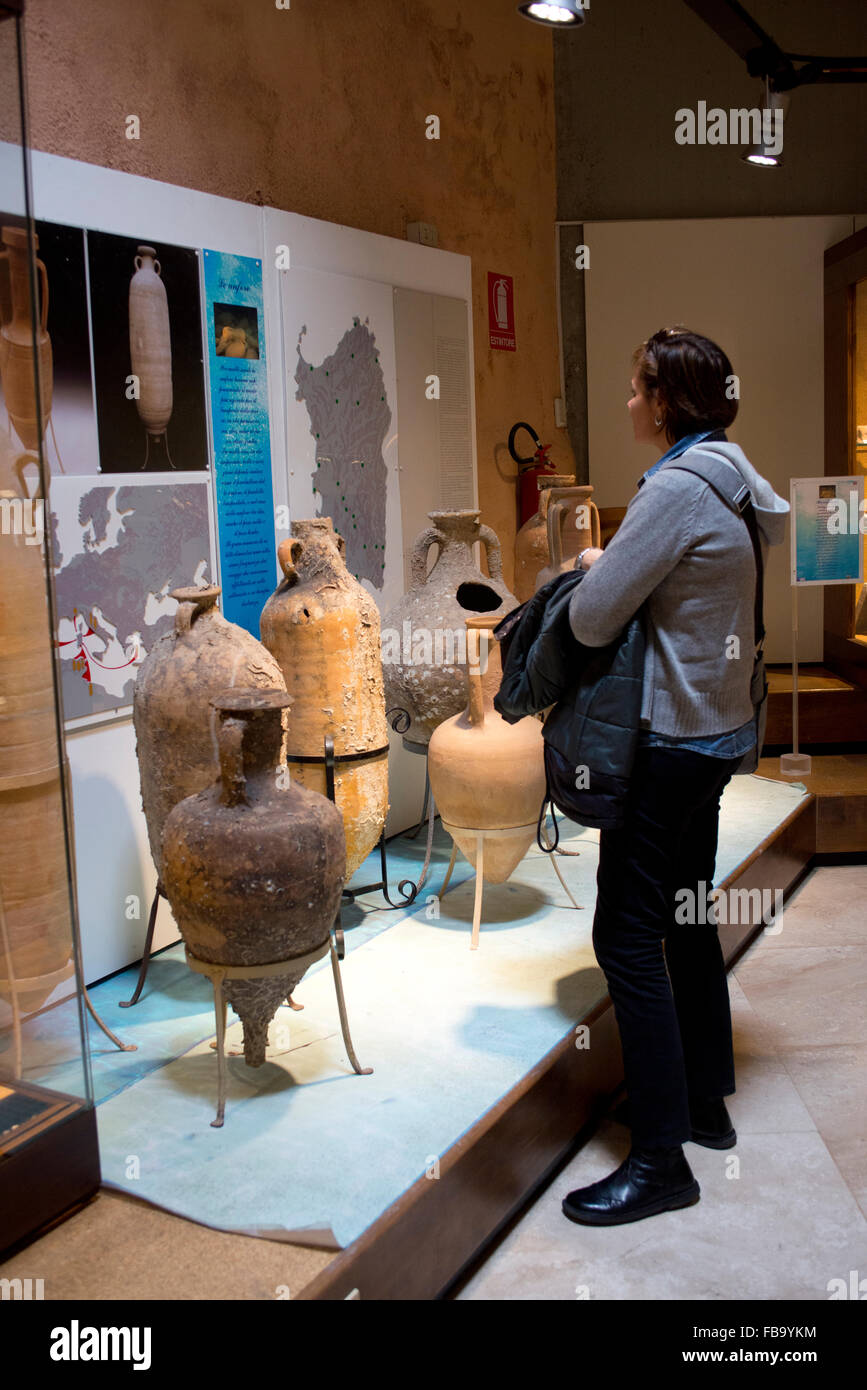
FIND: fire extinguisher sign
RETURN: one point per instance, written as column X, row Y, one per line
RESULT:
column 501, row 311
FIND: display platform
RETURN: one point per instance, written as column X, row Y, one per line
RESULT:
column 311, row 1152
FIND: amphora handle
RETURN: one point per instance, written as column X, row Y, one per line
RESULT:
column 595, row 524
column 192, row 603
column 418, row 560
column 556, row 514
column 19, row 466
column 43, row 295
column 287, row 554
column 491, row 542
column 230, row 742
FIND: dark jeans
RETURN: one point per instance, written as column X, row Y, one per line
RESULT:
column 675, row 1023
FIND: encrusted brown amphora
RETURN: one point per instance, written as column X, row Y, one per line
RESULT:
column 424, row 654
column 322, row 627
column 254, row 867
column 175, row 723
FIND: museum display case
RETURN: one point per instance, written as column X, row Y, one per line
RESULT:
column 858, row 439
column 845, row 624
column 49, row 1160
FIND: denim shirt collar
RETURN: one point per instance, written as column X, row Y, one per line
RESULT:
column 680, row 448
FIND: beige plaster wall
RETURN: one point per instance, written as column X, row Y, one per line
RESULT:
column 754, row 285
column 321, row 109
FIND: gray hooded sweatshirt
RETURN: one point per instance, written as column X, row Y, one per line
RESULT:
column 689, row 554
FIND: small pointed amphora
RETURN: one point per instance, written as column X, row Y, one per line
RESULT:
column 487, row 775
column 254, row 867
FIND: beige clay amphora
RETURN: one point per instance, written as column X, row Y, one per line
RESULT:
column 486, row 774
column 17, row 351
column 531, row 542
column 36, row 936
column 573, row 525
column 424, row 635
column 175, row 724
column 322, row 627
column 254, row 867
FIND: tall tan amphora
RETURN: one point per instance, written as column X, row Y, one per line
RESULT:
column 150, row 343
column 175, row 723
column 36, row 936
column 17, row 351
column 322, row 627
column 487, row 775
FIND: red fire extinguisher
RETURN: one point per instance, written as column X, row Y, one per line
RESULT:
column 530, row 467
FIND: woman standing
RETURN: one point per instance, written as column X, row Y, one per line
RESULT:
column 681, row 548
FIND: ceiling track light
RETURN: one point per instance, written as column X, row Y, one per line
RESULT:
column 764, row 57
column 767, row 152
column 560, row 14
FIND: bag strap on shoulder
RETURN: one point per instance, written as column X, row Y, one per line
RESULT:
column 727, row 482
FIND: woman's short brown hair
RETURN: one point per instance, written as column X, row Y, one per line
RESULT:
column 695, row 386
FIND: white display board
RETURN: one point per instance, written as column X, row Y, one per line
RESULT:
column 335, row 272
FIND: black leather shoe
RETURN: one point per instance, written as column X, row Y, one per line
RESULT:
column 710, row 1121
column 648, row 1181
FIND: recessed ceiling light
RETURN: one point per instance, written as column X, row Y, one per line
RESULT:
column 560, row 15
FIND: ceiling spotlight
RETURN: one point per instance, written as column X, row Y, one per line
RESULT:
column 767, row 153
column 562, row 14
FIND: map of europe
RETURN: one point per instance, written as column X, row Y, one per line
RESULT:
column 134, row 545
column 349, row 415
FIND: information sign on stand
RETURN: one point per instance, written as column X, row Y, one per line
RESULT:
column 828, row 523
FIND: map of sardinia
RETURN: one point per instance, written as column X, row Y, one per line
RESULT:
column 349, row 416
column 118, row 552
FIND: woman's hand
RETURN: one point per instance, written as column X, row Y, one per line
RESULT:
column 590, row 556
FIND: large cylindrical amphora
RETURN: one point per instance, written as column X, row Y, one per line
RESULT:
column 36, row 936
column 175, row 723
column 254, row 867
column 322, row 627
column 150, row 342
column 486, row 774
column 424, row 654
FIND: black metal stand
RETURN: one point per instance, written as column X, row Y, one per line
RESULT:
column 159, row 892
column 407, row 889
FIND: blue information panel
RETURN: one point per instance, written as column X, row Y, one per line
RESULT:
column 235, row 328
column 828, row 524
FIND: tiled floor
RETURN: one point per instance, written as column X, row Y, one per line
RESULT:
column 779, row 1223
column 783, row 1212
